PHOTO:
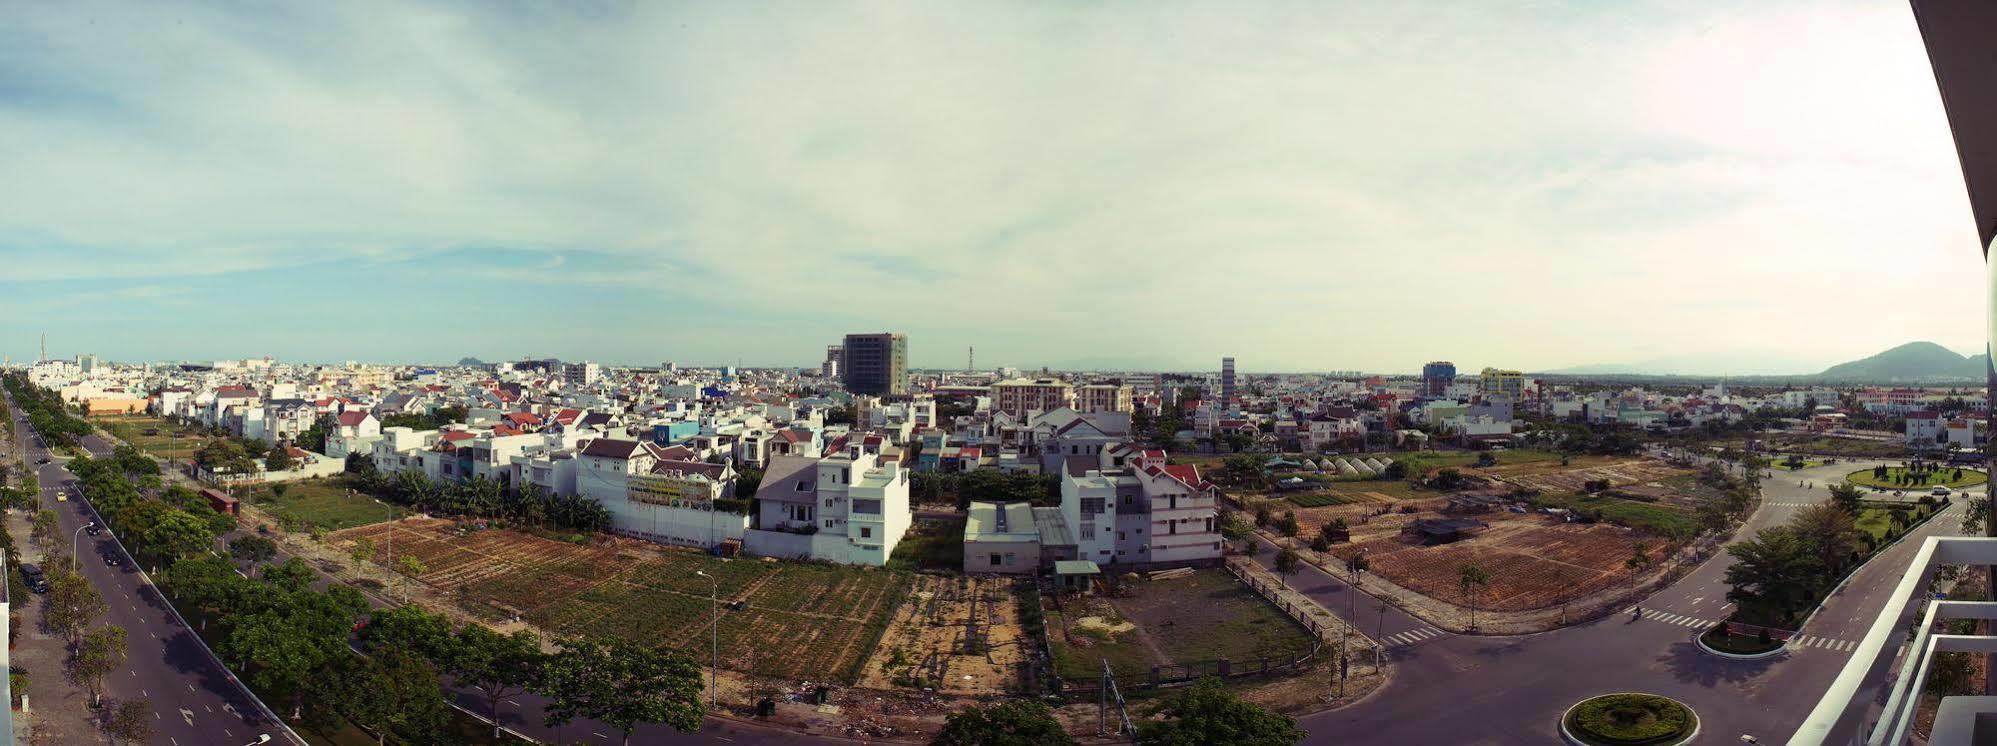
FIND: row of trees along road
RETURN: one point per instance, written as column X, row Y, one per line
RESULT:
column 293, row 644
column 611, row 680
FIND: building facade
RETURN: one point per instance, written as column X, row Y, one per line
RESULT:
column 875, row 364
column 1436, row 377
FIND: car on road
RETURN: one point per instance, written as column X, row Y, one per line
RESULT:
column 1939, row 492
column 36, row 581
column 111, row 558
column 41, row 461
column 93, row 529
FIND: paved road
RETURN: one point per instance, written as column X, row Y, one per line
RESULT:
column 1457, row 689
column 194, row 700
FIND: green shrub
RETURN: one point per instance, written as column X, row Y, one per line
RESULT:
column 1632, row 719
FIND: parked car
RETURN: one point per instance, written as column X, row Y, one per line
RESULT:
column 111, row 558
column 93, row 529
column 36, row 581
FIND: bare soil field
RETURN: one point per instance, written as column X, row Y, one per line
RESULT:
column 1637, row 476
column 1534, row 561
column 960, row 635
column 797, row 621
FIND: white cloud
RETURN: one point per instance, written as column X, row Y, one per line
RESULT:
column 1301, row 185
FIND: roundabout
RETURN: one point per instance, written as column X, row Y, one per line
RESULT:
column 1629, row 719
column 1943, row 477
column 1718, row 641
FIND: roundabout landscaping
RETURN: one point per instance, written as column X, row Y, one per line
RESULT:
column 1629, row 719
column 1943, row 477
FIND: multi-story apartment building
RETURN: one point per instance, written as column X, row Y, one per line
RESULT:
column 1103, row 397
column 1018, row 396
column 875, row 364
column 851, row 508
column 833, row 355
column 581, row 374
column 1228, row 392
column 1493, row 383
column 1127, row 506
column 1436, row 377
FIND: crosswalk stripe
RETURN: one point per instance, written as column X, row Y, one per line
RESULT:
column 1849, row 645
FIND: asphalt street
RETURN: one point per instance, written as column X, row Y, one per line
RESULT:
column 1474, row 689
column 194, row 699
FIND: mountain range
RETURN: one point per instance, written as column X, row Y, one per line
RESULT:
column 1907, row 363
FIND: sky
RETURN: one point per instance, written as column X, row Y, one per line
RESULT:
column 1740, row 187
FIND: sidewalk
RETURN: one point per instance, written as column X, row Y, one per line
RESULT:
column 59, row 711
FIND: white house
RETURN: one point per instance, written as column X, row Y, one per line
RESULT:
column 850, row 508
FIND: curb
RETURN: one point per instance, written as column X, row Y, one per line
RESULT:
column 1574, row 740
column 1779, row 651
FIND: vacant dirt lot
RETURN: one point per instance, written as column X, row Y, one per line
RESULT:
column 1636, row 476
column 1534, row 561
column 959, row 635
column 797, row 621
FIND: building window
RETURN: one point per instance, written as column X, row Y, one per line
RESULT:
column 995, row 559
column 1119, row 536
column 866, row 532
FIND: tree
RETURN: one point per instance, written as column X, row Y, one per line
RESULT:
column 392, row 691
column 1829, row 533
column 131, row 721
column 747, row 482
column 622, row 684
column 1845, row 496
column 363, row 551
column 1290, row 526
column 410, row 628
column 44, row 528
column 253, row 549
column 1470, row 580
column 1773, row 574
column 72, row 606
column 1207, row 713
column 497, row 665
column 1639, row 558
column 1286, row 562
column 411, row 566
column 278, row 460
column 1018, row 722
column 101, row 652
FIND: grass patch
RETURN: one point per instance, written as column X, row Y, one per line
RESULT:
column 1942, row 478
column 132, row 429
column 1195, row 619
column 1876, row 518
column 1663, row 520
column 324, row 503
column 1830, row 445
column 930, row 546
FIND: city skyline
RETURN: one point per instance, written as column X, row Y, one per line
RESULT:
column 1659, row 182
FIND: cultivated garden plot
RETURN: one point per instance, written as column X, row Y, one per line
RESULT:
column 797, row 620
column 1190, row 621
column 959, row 635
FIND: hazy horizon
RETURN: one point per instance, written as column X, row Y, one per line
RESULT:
column 1303, row 186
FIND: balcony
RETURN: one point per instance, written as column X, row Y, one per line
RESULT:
column 1849, row 712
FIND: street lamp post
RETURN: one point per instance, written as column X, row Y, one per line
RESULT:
column 713, row 637
column 75, row 544
column 390, row 541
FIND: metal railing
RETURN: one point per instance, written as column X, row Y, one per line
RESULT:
column 1846, row 713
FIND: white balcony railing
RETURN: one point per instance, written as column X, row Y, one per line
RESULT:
column 1846, row 715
